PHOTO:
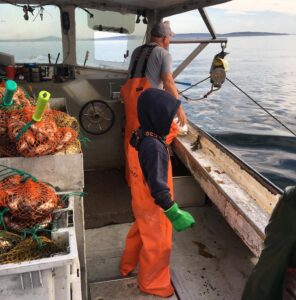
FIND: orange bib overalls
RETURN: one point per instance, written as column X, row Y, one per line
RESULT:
column 130, row 93
column 149, row 241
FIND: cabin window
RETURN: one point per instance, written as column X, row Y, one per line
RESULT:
column 30, row 33
column 108, row 39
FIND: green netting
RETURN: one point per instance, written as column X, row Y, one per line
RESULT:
column 8, row 240
column 64, row 198
column 29, row 249
column 18, row 225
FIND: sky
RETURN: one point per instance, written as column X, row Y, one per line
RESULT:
column 237, row 15
column 243, row 15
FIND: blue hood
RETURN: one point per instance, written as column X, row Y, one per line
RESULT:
column 156, row 111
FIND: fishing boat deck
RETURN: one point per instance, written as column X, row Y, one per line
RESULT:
column 208, row 261
column 108, row 199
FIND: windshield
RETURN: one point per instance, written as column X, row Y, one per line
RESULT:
column 108, row 39
column 31, row 34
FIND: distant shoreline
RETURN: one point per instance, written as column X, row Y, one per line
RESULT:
column 177, row 36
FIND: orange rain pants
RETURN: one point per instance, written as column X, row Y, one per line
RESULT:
column 149, row 241
column 130, row 93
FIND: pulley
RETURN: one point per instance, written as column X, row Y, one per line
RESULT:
column 217, row 76
column 219, row 68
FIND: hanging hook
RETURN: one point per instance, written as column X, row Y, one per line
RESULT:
column 223, row 45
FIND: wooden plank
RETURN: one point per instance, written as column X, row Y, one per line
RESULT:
column 242, row 200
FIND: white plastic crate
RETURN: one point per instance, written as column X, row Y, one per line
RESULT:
column 64, row 217
column 53, row 278
column 64, row 172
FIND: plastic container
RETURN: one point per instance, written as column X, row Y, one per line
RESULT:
column 64, row 217
column 53, row 278
column 10, row 72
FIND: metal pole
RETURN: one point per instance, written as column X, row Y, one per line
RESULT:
column 189, row 59
column 199, row 41
column 206, row 19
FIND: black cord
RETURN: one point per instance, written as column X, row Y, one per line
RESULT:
column 275, row 118
column 87, row 11
column 194, row 85
column 190, row 99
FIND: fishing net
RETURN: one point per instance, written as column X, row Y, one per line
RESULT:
column 8, row 240
column 20, row 99
column 7, row 147
column 26, row 201
column 19, row 225
column 6, row 185
column 41, row 138
column 64, row 120
column 30, row 249
column 4, row 116
column 31, row 200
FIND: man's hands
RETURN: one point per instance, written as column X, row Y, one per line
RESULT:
column 169, row 86
column 182, row 120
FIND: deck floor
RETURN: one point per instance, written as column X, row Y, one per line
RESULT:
column 209, row 262
column 104, row 204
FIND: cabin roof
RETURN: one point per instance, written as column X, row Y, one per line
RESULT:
column 164, row 7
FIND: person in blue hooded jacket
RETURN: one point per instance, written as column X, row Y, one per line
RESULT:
column 149, row 240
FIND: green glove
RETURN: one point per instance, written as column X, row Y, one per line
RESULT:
column 180, row 219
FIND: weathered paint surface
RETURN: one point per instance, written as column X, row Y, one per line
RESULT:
column 243, row 201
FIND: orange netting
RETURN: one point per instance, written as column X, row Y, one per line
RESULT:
column 19, row 225
column 26, row 201
column 6, row 185
column 31, row 200
column 20, row 99
column 41, row 138
column 4, row 116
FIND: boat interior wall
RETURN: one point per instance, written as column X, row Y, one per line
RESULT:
column 105, row 150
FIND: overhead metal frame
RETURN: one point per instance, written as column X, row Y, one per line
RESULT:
column 206, row 19
column 202, row 43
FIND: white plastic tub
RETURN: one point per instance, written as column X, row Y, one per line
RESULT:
column 64, row 172
column 53, row 278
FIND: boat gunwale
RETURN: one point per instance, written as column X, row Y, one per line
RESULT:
column 271, row 187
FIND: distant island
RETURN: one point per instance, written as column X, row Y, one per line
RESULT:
column 179, row 36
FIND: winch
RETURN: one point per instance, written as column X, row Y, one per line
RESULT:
column 217, row 76
column 219, row 68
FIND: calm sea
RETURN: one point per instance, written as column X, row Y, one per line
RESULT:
column 264, row 67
